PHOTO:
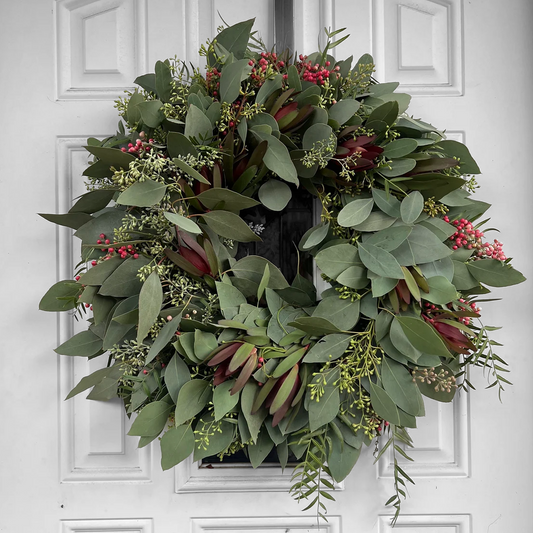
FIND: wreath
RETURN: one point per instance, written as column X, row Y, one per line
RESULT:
column 222, row 354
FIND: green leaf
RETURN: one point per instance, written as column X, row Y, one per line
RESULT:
column 133, row 113
column 252, row 267
column 341, row 459
column 398, row 383
column 163, row 81
column 423, row 336
column 376, row 221
column 275, row 195
column 460, row 151
column 151, row 420
column 277, row 158
column 230, row 299
column 316, row 135
column 315, row 325
column 192, row 398
column 105, row 390
column 354, row 277
column 387, row 113
column 336, row 259
column 254, row 421
column 151, row 113
column 147, row 82
column 355, row 212
column 176, row 445
column 389, row 239
column 176, row 375
column 163, row 338
column 269, row 86
column 399, row 148
column 231, row 78
column 69, row 220
column 294, row 79
column 314, row 236
column 462, row 278
column 116, row 331
column 343, row 110
column 398, row 167
column 143, row 193
column 411, row 207
column 229, row 200
column 123, row 282
column 150, row 301
column 324, row 410
column 204, row 344
column 93, row 201
column 184, row 223
column 235, row 38
column 96, row 377
column 383, row 405
column 223, row 401
column 380, row 261
column 259, row 451
column 84, row 344
column 494, row 273
column 179, row 146
column 264, row 282
column 328, row 348
column 422, row 246
column 387, row 202
column 343, row 313
column 198, row 127
column 441, row 291
column 193, row 173
column 229, row 225
column 62, row 296
column 112, row 157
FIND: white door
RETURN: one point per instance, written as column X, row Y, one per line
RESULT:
column 68, row 466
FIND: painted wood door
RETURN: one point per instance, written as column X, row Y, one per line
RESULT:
column 68, row 466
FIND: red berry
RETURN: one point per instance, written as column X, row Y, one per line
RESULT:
column 145, row 371
column 93, row 263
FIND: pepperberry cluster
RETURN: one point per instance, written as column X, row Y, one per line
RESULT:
column 138, row 147
column 466, row 236
column 316, row 73
column 265, row 67
column 212, row 79
column 124, row 251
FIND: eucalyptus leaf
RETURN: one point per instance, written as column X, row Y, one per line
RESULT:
column 355, row 212
column 229, row 225
column 275, row 194
column 192, row 398
column 176, row 445
column 143, row 193
column 150, row 301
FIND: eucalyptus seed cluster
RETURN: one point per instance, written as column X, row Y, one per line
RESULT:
column 442, row 380
column 361, row 359
column 207, row 430
column 370, row 421
column 132, row 355
column 434, row 209
column 321, row 153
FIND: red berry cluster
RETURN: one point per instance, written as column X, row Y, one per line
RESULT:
column 259, row 67
column 466, row 236
column 123, row 251
column 138, row 147
column 212, row 79
column 468, row 306
column 316, row 73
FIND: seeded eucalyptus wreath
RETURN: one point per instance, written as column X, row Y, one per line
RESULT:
column 220, row 354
